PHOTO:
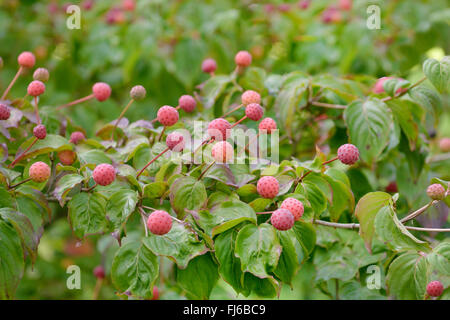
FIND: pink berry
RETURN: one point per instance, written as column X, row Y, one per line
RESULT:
column 99, row 272
column 268, row 187
column 129, row 5
column 303, row 4
column 39, row 171
column 76, row 137
column 444, row 144
column 254, row 111
column 104, row 174
column 268, row 125
column 249, row 97
column 219, row 129
column 167, row 116
column 392, row 187
column 175, row 141
column 36, row 88
column 330, row 15
column 40, row 132
column 345, row 4
column 101, row 91
column 67, row 157
column 282, row 219
column 26, row 59
column 209, row 65
column 4, row 112
column 87, row 4
column 138, row 93
column 187, row 103
column 348, row 154
column 435, row 288
column 155, row 293
column 159, row 222
column 243, row 59
column 378, row 87
column 284, row 7
column 41, row 74
column 294, row 206
column 222, row 152
column 436, row 191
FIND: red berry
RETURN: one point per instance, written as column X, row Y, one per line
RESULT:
column 435, row 288
column 249, row 97
column 294, row 206
column 76, row 137
column 175, row 141
column 219, row 129
column 101, row 91
column 254, row 111
column 345, row 4
column 4, row 112
column 167, row 116
column 348, row 154
column 392, row 187
column 209, row 65
column 268, row 125
column 243, row 59
column 436, row 191
column 187, row 103
column 444, row 144
column 26, row 59
column 87, row 4
column 268, row 187
column 39, row 171
column 36, row 88
column 378, row 87
column 40, row 132
column 67, row 157
column 330, row 15
column 303, row 4
column 282, row 219
column 155, row 295
column 41, row 74
column 222, row 152
column 104, row 174
column 129, row 5
column 138, row 93
column 159, row 222
column 99, row 272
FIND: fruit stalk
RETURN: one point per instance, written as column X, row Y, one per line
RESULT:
column 18, row 184
column 153, row 160
column 12, row 164
column 120, row 117
column 89, row 97
column 12, row 83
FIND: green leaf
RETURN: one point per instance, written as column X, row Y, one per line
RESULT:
column 369, row 124
column 135, row 269
column 120, row 206
column 65, row 185
column 260, row 204
column 259, row 249
column 51, row 143
column 400, row 277
column 306, row 236
column 265, row 288
column 199, row 278
column 288, row 263
column 93, row 157
column 366, row 211
column 438, row 73
column 428, row 99
column 342, row 198
column 181, row 244
column 5, row 198
column 315, row 196
column 155, row 189
column 403, row 113
column 213, row 88
column 187, row 193
column 87, row 214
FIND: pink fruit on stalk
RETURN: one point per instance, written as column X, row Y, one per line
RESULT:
column 36, row 88
column 104, row 174
column 159, row 222
column 436, row 191
column 378, row 87
column 138, row 93
column 76, row 137
column 435, row 289
column 294, row 206
column 243, row 59
column 175, row 141
column 444, row 144
column 40, row 131
column 249, row 97
column 219, row 129
column 41, row 74
column 99, row 272
column 5, row 113
column 39, row 171
column 331, row 15
column 101, row 91
column 268, row 125
column 187, row 103
column 167, row 116
column 268, row 187
column 348, row 154
column 254, row 111
column 26, row 59
column 67, row 157
column 209, row 65
column 222, row 152
column 282, row 219
column 345, row 5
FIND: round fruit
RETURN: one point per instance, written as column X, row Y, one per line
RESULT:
column 243, row 59
column 268, row 187
column 268, row 125
column 294, row 206
column 104, row 174
column 435, row 288
column 436, row 191
column 167, row 116
column 175, row 141
column 99, row 272
column 187, row 103
column 219, row 129
column 250, row 96
column 159, row 222
column 254, row 111
column 39, row 171
column 67, row 157
column 76, row 137
column 282, row 219
column 101, row 91
column 36, row 88
column 209, row 65
column 26, row 59
column 348, row 154
column 444, row 144
column 40, row 132
column 222, row 152
column 41, row 74
column 138, row 93
column 4, row 112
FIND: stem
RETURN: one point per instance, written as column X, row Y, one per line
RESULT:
column 405, row 91
column 356, row 226
column 89, row 189
column 159, row 155
column 161, row 134
column 89, row 97
column 98, row 286
column 418, row 212
column 204, row 171
column 203, row 143
column 329, row 161
column 337, row 288
column 120, row 117
column 264, row 212
column 142, row 212
column 12, row 164
column 36, row 110
column 328, row 105
column 236, row 123
column 308, row 172
column 232, row 110
column 19, row 183
column 12, row 83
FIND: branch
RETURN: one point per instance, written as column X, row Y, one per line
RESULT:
column 418, row 212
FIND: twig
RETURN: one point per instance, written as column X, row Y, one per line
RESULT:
column 204, row 171
column 19, row 183
column 418, row 212
column 12, row 83
column 153, row 160
column 12, row 164
column 89, row 97
column 327, row 105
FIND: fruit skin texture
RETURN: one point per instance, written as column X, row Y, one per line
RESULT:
column 378, row 87
column 268, row 187
column 104, row 174
column 101, row 91
column 26, row 59
column 41, row 74
column 4, row 112
column 243, row 58
column 76, row 137
column 159, row 222
column 187, row 103
column 167, row 116
column 294, row 206
column 250, row 96
column 99, row 272
column 254, row 111
column 36, row 88
column 155, row 295
column 209, row 65
column 282, row 219
column 444, row 144
column 175, row 141
column 435, row 288
column 39, row 171
column 268, row 125
column 392, row 187
column 219, row 129
column 67, row 157
column 436, row 191
column 138, row 93
column 222, row 152
column 40, row 132
column 348, row 154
